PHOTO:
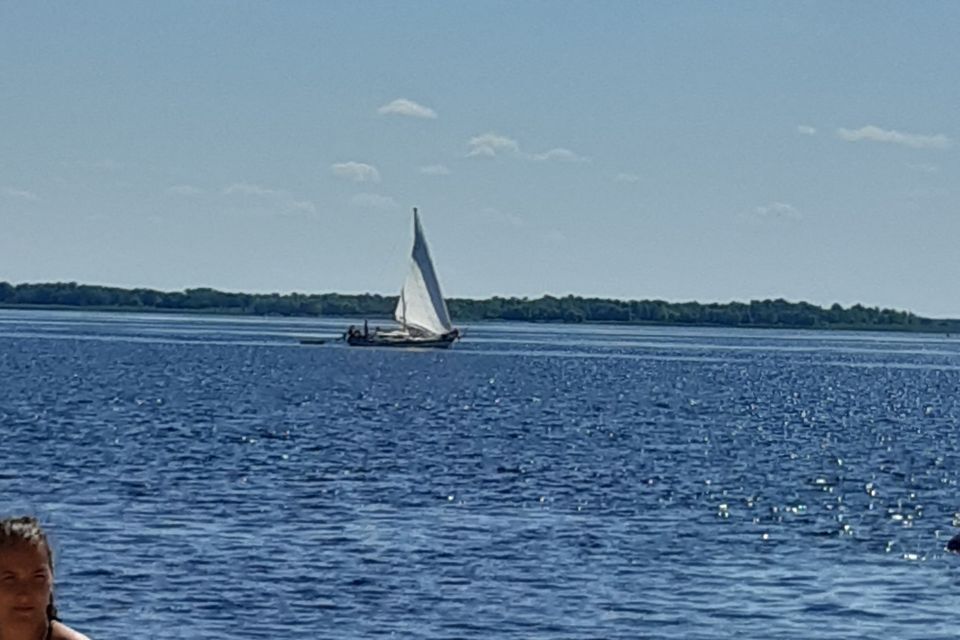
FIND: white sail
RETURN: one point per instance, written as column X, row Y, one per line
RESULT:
column 421, row 305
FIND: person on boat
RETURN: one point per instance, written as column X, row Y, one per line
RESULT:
column 954, row 544
column 366, row 330
column 26, row 584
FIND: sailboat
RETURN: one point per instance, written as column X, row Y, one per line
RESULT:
column 421, row 310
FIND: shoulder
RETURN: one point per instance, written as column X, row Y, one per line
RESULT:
column 63, row 632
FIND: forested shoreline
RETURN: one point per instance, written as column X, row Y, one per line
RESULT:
column 568, row 309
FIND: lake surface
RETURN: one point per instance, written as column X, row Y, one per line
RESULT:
column 210, row 478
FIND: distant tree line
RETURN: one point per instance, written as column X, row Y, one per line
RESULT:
column 571, row 309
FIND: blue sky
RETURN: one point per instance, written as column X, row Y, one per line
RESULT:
column 684, row 151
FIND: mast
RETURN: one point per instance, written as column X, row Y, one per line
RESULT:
column 403, row 297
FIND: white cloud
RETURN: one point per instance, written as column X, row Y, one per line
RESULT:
column 356, row 171
column 627, row 177
column 559, row 154
column 492, row 144
column 778, row 210
column 924, row 168
column 19, row 194
column 404, row 107
column 247, row 189
column 489, row 144
column 435, row 170
column 806, row 130
column 876, row 134
column 373, row 201
column 184, row 190
column 303, row 205
column 281, row 200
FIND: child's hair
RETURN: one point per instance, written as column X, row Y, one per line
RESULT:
column 27, row 530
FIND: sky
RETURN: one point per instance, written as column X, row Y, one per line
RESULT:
column 638, row 150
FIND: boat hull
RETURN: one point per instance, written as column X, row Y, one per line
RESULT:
column 409, row 342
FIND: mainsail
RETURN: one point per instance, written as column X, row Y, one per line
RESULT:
column 421, row 305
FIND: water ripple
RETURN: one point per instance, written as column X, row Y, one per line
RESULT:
column 208, row 478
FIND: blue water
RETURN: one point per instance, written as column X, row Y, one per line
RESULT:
column 211, row 478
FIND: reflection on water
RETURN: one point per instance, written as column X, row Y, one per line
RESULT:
column 213, row 477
